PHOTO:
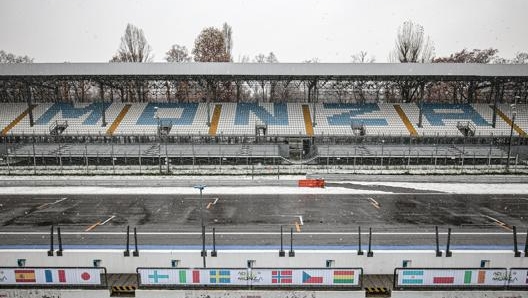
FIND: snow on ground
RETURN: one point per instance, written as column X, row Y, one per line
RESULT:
column 458, row 188
column 94, row 190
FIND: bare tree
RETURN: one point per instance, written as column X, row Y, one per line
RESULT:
column 227, row 31
column 312, row 60
column 462, row 91
column 412, row 45
column 177, row 53
column 133, row 47
column 12, row 58
column 11, row 91
column 361, row 57
column 210, row 46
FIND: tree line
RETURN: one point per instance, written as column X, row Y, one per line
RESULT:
column 412, row 45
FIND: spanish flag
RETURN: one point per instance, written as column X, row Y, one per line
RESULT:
column 344, row 277
column 25, row 276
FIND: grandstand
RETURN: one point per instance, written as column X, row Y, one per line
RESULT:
column 312, row 129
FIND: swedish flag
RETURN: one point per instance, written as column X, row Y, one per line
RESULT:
column 220, row 276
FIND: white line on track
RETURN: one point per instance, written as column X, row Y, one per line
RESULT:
column 109, row 219
column 263, row 233
column 49, row 204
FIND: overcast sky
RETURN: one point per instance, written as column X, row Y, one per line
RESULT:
column 295, row 30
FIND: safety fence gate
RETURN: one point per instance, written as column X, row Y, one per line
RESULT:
column 251, row 278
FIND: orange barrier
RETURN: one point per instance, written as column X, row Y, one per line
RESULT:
column 312, row 183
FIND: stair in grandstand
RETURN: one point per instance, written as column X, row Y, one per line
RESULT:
column 153, row 150
column 307, row 121
column 118, row 119
column 363, row 151
column 215, row 119
column 466, row 128
column 245, row 150
column 405, row 120
column 60, row 149
column 506, row 119
column 58, row 127
column 19, row 118
column 311, row 160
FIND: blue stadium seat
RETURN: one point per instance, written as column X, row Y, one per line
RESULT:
column 280, row 112
column 351, row 113
column 452, row 112
column 69, row 111
column 148, row 117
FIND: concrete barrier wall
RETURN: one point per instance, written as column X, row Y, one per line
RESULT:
column 383, row 262
column 459, row 294
column 21, row 293
column 248, row 294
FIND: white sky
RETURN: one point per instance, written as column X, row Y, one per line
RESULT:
column 295, row 30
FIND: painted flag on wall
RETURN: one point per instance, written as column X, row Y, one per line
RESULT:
column 443, row 279
column 281, row 276
column 61, row 275
column 155, row 278
column 25, row 276
column 220, row 276
column 344, row 276
column 183, row 276
column 412, row 277
column 468, row 277
column 308, row 279
column 196, row 276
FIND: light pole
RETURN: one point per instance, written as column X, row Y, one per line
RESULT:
column 204, row 252
column 159, row 137
column 514, row 113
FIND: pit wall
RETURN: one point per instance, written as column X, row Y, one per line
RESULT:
column 459, row 294
column 383, row 262
column 19, row 293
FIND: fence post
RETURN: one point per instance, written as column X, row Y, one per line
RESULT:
column 281, row 251
column 448, row 252
column 516, row 251
column 59, row 252
column 136, row 252
column 126, row 253
column 438, row 252
column 370, row 253
column 360, row 251
column 50, row 251
column 291, row 253
column 213, row 253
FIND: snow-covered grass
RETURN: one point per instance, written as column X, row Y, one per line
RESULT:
column 458, row 188
column 263, row 170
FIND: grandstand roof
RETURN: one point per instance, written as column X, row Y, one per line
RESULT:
column 277, row 71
